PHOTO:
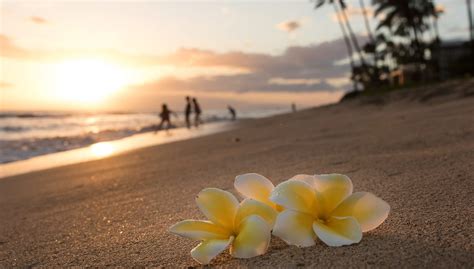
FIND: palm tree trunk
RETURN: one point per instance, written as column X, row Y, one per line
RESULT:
column 436, row 29
column 469, row 14
column 366, row 21
column 346, row 41
column 352, row 36
column 419, row 50
column 419, row 54
column 344, row 33
column 371, row 38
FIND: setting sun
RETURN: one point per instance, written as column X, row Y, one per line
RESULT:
column 88, row 80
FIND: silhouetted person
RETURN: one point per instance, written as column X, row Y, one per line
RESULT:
column 165, row 116
column 232, row 111
column 293, row 107
column 187, row 112
column 197, row 113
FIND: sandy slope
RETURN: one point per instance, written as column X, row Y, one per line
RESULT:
column 416, row 152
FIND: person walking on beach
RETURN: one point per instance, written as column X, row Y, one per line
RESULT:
column 232, row 111
column 165, row 116
column 187, row 112
column 293, row 107
column 197, row 112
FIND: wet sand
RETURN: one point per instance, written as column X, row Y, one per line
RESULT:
column 415, row 149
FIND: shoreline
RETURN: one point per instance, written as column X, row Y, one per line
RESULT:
column 110, row 148
column 26, row 137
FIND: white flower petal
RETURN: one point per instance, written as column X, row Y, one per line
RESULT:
column 369, row 210
column 199, row 230
column 253, row 207
column 338, row 231
column 254, row 186
column 252, row 239
column 218, row 206
column 296, row 195
column 309, row 179
column 295, row 228
column 207, row 250
column 332, row 189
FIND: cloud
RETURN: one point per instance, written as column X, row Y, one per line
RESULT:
column 298, row 69
column 295, row 60
column 440, row 8
column 240, row 83
column 353, row 11
column 38, row 20
column 294, row 81
column 289, row 26
column 10, row 50
column 4, row 84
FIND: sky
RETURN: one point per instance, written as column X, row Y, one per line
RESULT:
column 136, row 55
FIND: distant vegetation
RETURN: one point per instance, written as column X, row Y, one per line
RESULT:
column 404, row 47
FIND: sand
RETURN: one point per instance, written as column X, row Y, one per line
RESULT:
column 415, row 149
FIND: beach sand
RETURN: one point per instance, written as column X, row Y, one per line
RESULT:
column 414, row 149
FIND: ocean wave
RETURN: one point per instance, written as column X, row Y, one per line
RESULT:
column 27, row 135
column 32, row 115
column 15, row 150
column 13, row 128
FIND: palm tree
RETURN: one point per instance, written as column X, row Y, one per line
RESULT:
column 436, row 13
column 346, row 39
column 366, row 20
column 407, row 20
column 371, row 46
column 347, row 42
column 348, row 45
column 358, row 73
column 343, row 8
column 340, row 8
column 469, row 14
column 432, row 13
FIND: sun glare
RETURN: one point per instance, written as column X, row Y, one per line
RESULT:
column 102, row 149
column 88, row 80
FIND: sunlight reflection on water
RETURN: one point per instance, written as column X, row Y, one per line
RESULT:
column 106, row 149
column 102, row 149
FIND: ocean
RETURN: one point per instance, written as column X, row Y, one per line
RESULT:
column 26, row 135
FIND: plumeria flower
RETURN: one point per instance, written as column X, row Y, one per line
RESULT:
column 245, row 227
column 257, row 187
column 324, row 206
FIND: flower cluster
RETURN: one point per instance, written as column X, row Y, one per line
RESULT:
column 297, row 211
